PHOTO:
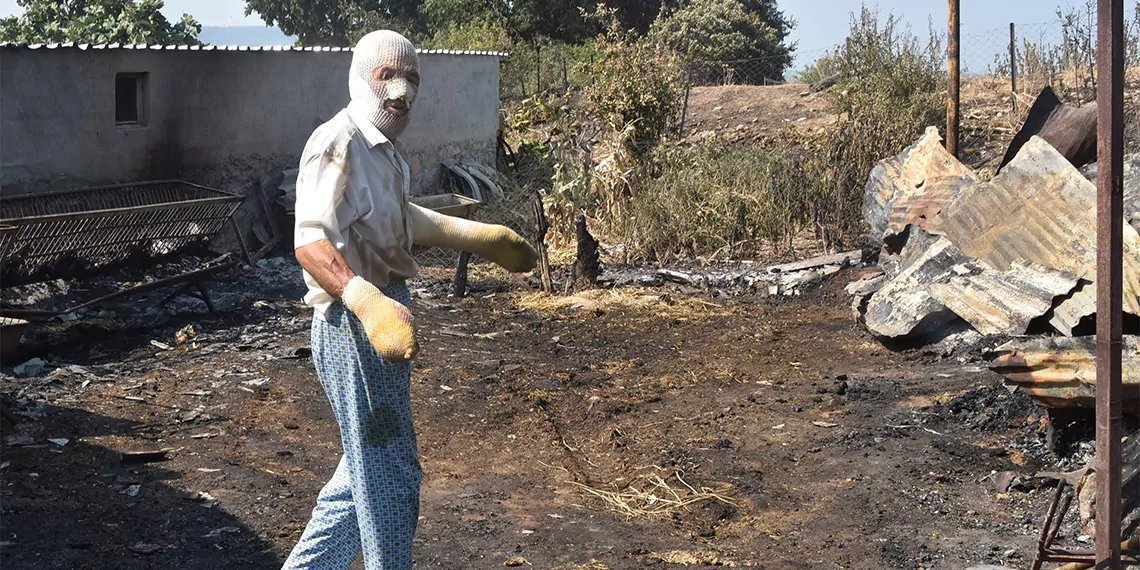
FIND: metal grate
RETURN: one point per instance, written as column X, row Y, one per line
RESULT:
column 77, row 232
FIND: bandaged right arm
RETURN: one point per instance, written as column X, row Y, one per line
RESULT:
column 321, row 185
column 387, row 323
column 498, row 244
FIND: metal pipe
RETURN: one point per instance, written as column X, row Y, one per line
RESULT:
column 954, row 68
column 1109, row 272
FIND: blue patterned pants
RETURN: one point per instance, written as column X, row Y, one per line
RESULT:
column 372, row 500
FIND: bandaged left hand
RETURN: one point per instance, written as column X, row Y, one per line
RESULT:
column 495, row 243
column 508, row 249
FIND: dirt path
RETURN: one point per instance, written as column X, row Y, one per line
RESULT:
column 803, row 443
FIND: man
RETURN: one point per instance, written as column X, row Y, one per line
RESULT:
column 354, row 234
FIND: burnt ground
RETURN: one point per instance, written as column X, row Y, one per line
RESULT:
column 801, row 442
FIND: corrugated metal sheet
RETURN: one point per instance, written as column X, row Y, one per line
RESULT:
column 80, row 46
column 909, row 187
column 1039, row 209
column 1061, row 372
column 1003, row 302
column 1131, row 186
column 1074, row 307
column 904, row 307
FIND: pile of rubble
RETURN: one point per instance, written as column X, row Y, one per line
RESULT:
column 1012, row 258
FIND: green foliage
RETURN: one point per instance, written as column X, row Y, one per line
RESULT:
column 341, row 22
column 604, row 154
column 636, row 84
column 636, row 15
column 473, row 34
column 706, row 32
column 97, row 21
column 889, row 90
column 338, row 22
column 715, row 200
column 818, row 70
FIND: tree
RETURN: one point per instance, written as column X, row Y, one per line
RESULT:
column 341, row 22
column 97, row 21
column 637, row 15
column 707, row 33
column 338, row 22
column 525, row 20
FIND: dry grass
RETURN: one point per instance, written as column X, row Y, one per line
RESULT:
column 638, row 298
column 688, row 558
column 653, row 497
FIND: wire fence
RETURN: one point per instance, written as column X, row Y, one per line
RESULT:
column 509, row 206
column 543, row 68
column 1005, row 69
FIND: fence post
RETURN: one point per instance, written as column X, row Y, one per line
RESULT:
column 955, row 71
column 1109, row 272
column 685, row 105
column 537, row 68
column 1013, row 65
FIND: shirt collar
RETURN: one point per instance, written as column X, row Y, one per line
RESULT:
column 371, row 134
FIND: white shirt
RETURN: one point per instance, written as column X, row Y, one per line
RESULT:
column 352, row 189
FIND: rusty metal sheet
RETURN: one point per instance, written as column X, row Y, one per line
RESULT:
column 898, row 183
column 1060, row 372
column 904, row 308
column 1039, row 209
column 1070, row 130
column 1002, row 302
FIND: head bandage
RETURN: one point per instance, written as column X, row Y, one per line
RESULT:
column 387, row 102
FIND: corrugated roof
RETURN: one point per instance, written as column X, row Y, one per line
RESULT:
column 912, row 188
column 1060, row 372
column 73, row 45
column 1039, row 209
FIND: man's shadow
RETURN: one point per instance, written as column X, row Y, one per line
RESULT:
column 80, row 505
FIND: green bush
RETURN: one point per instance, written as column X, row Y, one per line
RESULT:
column 890, row 89
column 635, row 84
column 603, row 155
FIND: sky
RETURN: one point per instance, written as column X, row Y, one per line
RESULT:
column 821, row 23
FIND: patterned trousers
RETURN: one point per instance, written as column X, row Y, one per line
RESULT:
column 372, row 500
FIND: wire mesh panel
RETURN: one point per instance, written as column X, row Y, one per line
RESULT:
column 67, row 234
column 511, row 207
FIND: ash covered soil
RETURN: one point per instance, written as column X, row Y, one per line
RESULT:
column 550, row 437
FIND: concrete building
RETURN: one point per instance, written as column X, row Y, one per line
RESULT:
column 75, row 116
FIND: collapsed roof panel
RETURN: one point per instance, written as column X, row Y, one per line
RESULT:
column 1041, row 210
column 898, row 183
column 1002, row 302
column 904, row 307
column 1060, row 372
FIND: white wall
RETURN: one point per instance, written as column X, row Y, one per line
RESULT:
column 215, row 116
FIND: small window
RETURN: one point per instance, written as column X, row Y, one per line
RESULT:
column 130, row 99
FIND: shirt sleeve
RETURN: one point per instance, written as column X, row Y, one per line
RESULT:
column 322, row 185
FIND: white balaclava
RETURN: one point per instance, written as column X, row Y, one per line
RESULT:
column 380, row 100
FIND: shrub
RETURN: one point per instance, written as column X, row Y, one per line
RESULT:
column 636, row 84
column 716, row 200
column 889, row 90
